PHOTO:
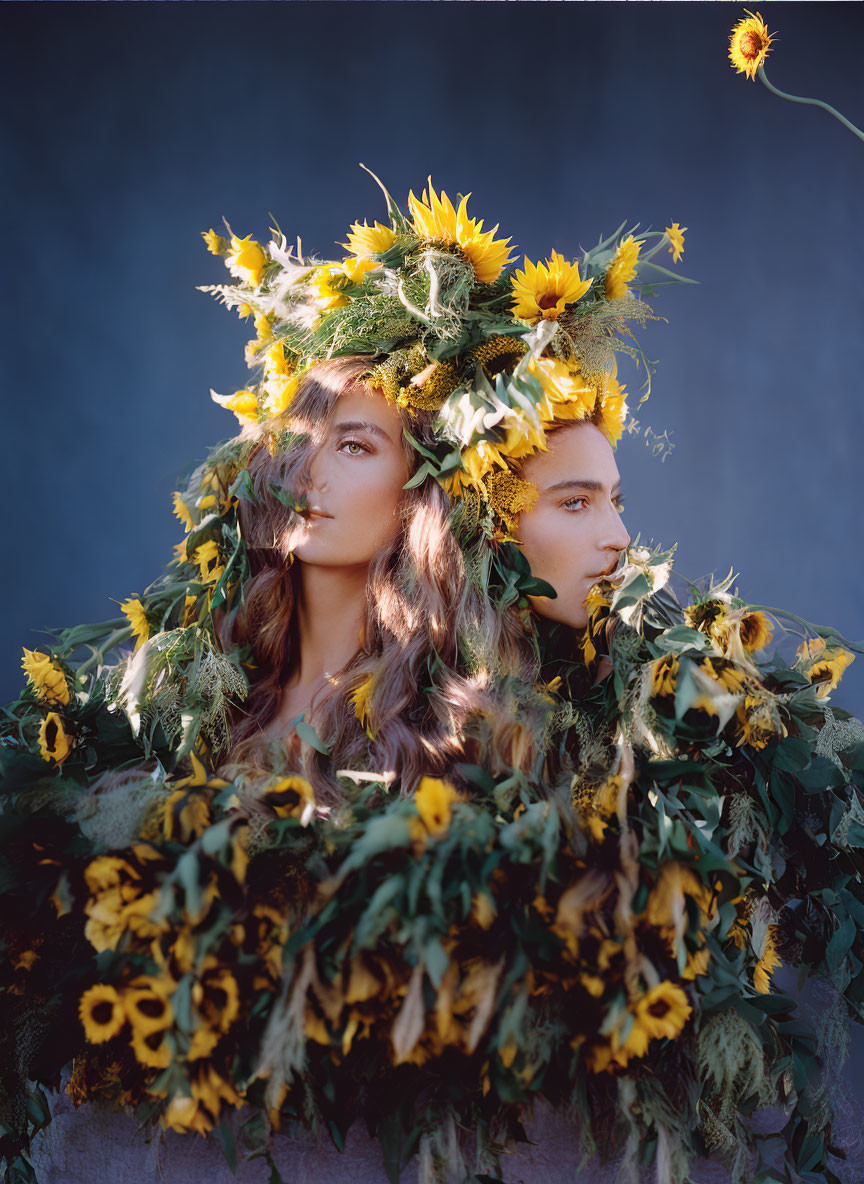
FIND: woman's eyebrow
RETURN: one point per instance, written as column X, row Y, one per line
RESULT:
column 584, row 484
column 357, row 425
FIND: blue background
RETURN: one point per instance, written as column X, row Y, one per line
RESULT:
column 128, row 128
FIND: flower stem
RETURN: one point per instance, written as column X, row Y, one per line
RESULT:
column 763, row 78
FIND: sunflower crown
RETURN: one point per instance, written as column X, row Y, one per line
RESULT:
column 497, row 353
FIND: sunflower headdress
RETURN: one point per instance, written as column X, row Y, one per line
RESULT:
column 451, row 326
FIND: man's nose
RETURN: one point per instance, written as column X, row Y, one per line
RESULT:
column 618, row 536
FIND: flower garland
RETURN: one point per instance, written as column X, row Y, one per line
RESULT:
column 499, row 353
column 452, row 955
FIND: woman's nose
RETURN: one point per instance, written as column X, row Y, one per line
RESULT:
column 314, row 475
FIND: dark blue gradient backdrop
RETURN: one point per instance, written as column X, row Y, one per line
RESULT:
column 129, row 128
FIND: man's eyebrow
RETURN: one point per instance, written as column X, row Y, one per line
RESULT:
column 584, row 484
column 358, row 425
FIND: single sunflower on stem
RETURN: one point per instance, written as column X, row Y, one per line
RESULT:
column 749, row 44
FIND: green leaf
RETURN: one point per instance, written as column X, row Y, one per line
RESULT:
column 225, row 1134
column 420, row 476
column 417, row 446
column 840, row 944
column 242, row 487
column 309, row 736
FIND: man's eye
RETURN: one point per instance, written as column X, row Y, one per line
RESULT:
column 575, row 503
column 619, row 503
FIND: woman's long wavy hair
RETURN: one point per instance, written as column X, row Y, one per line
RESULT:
column 434, row 646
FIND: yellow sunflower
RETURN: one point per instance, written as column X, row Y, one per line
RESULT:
column 246, row 259
column 664, row 677
column 355, row 269
column 101, row 1013
column 364, row 241
column 675, row 234
column 542, row 290
column 768, row 962
column 291, row 797
column 279, row 390
column 217, row 996
column 185, row 815
column 325, row 281
column 146, row 1004
column 243, row 403
column 215, row 243
column 151, row 1048
column 436, row 219
column 749, row 44
column 54, row 744
column 185, row 1114
column 622, row 269
column 613, row 410
column 662, row 1012
column 181, row 511
column 477, row 461
column 46, row 678
column 133, row 609
column 207, row 558
column 434, row 801
column 568, row 395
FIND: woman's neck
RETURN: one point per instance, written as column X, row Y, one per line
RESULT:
column 330, row 607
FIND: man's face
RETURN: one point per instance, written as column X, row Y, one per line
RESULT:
column 573, row 534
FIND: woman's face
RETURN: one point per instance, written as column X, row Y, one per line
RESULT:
column 573, row 534
column 355, row 484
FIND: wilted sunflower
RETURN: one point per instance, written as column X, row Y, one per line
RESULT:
column 46, row 677
column 435, row 219
column 749, row 44
column 823, row 664
column 101, row 1012
column 54, row 744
